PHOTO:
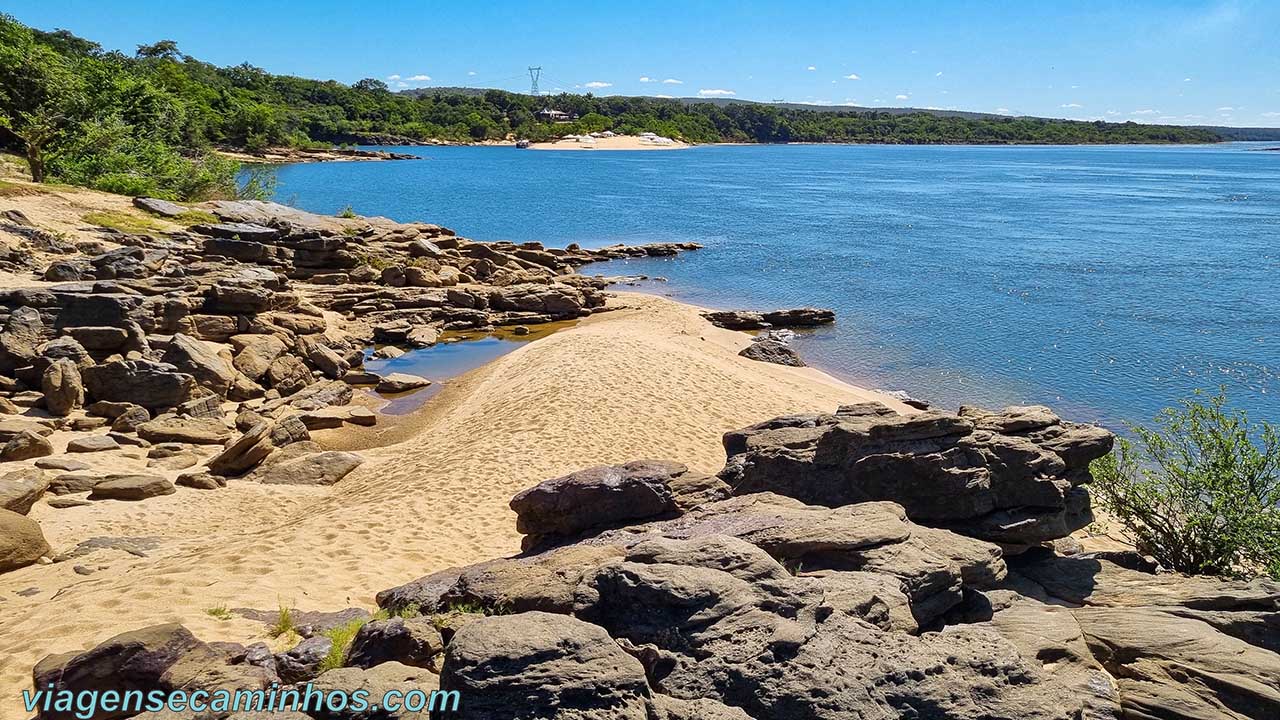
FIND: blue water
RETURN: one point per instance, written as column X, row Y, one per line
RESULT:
column 1106, row 282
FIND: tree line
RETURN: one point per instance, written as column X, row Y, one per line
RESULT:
column 148, row 123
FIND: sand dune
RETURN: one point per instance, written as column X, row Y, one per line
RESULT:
column 651, row 380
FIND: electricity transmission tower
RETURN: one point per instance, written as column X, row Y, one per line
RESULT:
column 534, row 74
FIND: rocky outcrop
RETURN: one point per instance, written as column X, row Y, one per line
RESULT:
column 751, row 320
column 1014, row 477
column 772, row 351
column 21, row 541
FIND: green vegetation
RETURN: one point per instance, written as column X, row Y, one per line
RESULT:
column 219, row 611
column 122, row 221
column 283, row 624
column 146, row 125
column 347, row 212
column 1200, row 492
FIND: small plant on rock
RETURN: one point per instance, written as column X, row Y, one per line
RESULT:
column 347, row 212
column 283, row 624
column 1200, row 491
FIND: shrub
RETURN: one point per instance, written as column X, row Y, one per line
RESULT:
column 122, row 221
column 1199, row 491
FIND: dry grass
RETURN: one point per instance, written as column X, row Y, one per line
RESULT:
column 122, row 221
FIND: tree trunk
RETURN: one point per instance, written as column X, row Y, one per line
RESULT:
column 35, row 159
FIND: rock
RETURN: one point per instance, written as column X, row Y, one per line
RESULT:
column 61, row 463
column 131, row 487
column 11, row 427
column 325, row 468
column 362, row 416
column 423, row 336
column 377, row 682
column 319, row 395
column 772, row 351
column 145, row 383
column 202, row 362
column 244, row 454
column 131, row 419
column 413, row 641
column 164, row 208
column 24, row 446
column 302, row 662
column 327, row 361
column 598, row 497
column 747, row 320
column 236, row 297
column 540, row 660
column 195, row 431
column 92, row 443
column 556, row 299
column 400, row 382
column 62, row 503
column 21, row 542
column 99, row 339
column 1016, row 488
column 207, row 407
column 238, row 231
column 361, row 377
column 22, row 333
column 201, row 481
column 19, row 490
column 132, row 661
column 288, row 375
column 73, row 482
column 62, row 387
column 255, row 353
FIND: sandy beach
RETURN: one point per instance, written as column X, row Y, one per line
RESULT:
column 621, row 142
column 651, row 379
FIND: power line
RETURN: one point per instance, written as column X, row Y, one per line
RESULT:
column 534, row 73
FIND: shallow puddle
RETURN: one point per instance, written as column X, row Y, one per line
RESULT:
column 455, row 354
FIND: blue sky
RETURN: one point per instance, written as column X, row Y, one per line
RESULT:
column 1206, row 62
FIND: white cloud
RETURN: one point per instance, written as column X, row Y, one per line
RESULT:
column 597, row 84
column 402, row 84
column 1271, row 114
column 471, row 72
column 672, row 81
column 852, row 76
column 901, row 97
column 646, row 78
column 393, row 77
column 715, row 93
column 811, row 68
column 1145, row 112
column 665, row 97
column 1002, row 111
column 1113, row 112
column 1070, row 105
column 1226, row 109
column 938, row 74
column 419, row 78
column 1186, row 79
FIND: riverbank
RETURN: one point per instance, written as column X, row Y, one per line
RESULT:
column 651, row 378
column 618, row 142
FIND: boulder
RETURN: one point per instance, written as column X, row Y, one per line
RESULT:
column 324, row 468
column 541, row 660
column 989, row 477
column 24, row 446
column 61, row 463
column 135, row 660
column 749, row 320
column 245, row 452
column 400, row 382
column 99, row 339
column 413, row 641
column 598, row 497
column 19, row 490
column 201, row 481
column 196, row 431
column 238, row 231
column 163, row 208
column 92, row 443
column 142, row 382
column 302, row 662
column 72, row 483
column 288, row 374
column 255, row 353
column 21, row 542
column 377, row 682
column 202, row 362
column 131, row 419
column 62, row 387
column 130, row 487
column 772, row 351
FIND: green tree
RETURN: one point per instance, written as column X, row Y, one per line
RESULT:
column 39, row 92
column 162, row 50
column 1200, row 491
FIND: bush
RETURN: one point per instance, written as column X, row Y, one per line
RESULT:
column 1199, row 491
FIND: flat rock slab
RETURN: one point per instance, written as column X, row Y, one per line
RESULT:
column 163, row 208
column 196, row 431
column 401, row 382
column 238, row 231
column 93, row 443
column 61, row 463
column 131, row 487
column 324, row 468
column 13, row 426
column 72, row 483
